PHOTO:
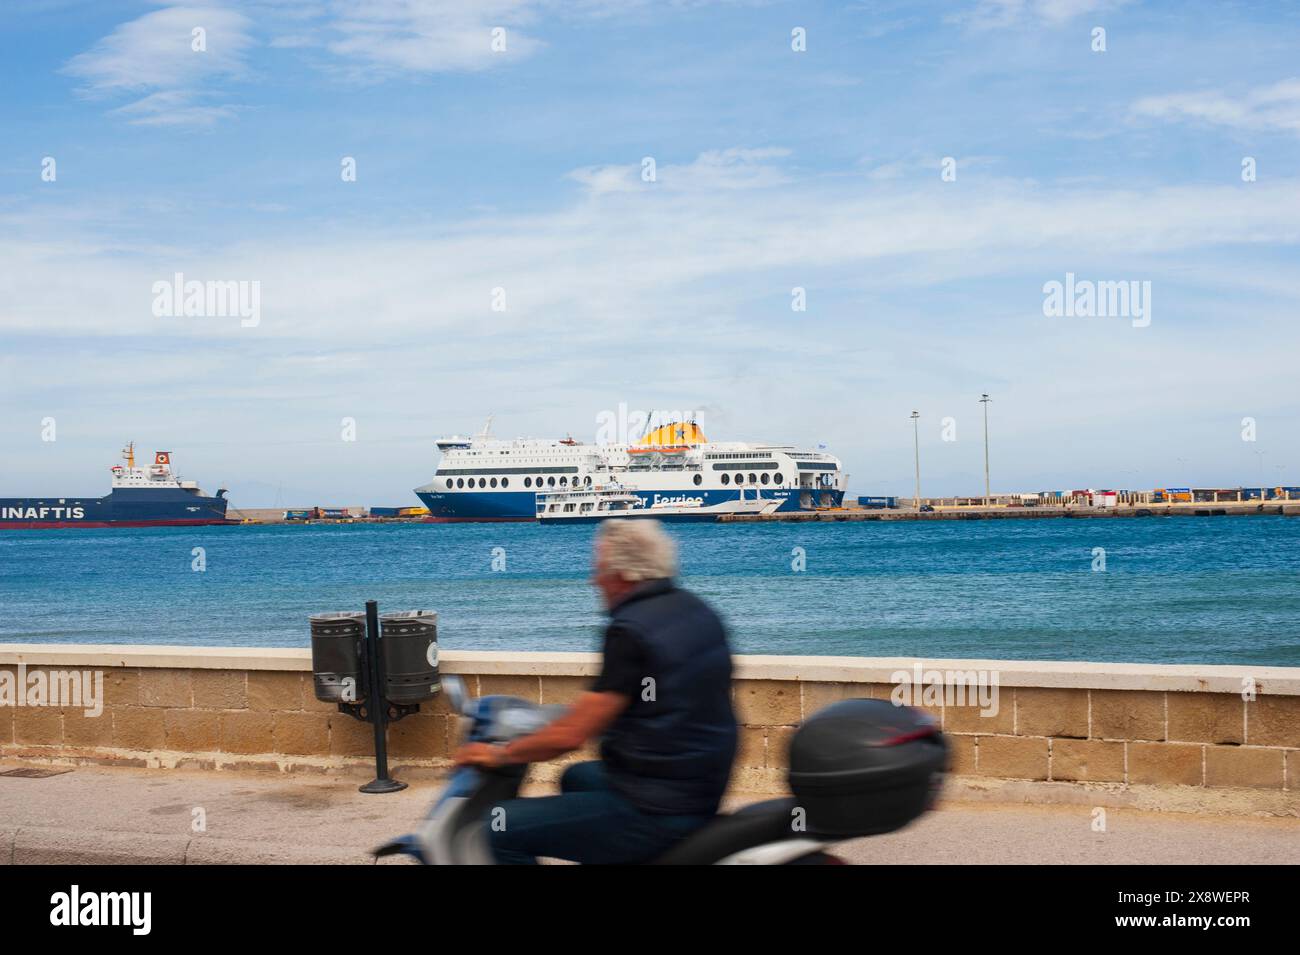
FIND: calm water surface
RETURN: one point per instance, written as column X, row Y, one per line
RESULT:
column 1175, row 590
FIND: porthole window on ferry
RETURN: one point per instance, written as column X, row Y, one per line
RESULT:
column 550, row 481
column 494, row 482
column 778, row 479
column 528, row 482
column 726, row 478
column 698, row 480
column 753, row 479
column 764, row 478
column 740, row 478
column 505, row 482
column 482, row 482
column 460, row 482
column 564, row 482
column 587, row 480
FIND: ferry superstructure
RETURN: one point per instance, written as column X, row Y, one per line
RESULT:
column 139, row 497
column 482, row 478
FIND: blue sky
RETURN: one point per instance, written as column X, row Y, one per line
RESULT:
column 775, row 169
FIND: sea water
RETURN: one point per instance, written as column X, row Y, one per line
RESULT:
column 1157, row 590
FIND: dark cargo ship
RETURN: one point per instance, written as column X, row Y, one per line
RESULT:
column 140, row 497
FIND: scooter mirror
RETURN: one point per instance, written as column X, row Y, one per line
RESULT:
column 457, row 694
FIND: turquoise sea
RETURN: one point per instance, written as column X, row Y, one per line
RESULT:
column 1174, row 590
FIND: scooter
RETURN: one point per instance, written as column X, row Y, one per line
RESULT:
column 859, row 767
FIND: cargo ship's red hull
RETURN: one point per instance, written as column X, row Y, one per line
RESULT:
column 60, row 525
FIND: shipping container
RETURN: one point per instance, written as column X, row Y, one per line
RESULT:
column 304, row 514
column 399, row 512
column 877, row 502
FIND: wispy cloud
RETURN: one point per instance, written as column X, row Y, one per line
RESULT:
column 719, row 169
column 431, row 36
column 992, row 14
column 640, row 251
column 380, row 38
column 880, row 170
column 177, row 74
column 1265, row 108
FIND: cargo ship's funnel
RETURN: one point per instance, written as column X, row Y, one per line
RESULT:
column 676, row 434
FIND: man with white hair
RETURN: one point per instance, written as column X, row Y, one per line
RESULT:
column 661, row 709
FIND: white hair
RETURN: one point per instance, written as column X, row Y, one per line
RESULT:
column 638, row 549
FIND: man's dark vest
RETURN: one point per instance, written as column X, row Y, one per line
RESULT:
column 671, row 750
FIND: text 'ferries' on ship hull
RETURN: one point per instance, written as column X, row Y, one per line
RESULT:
column 140, row 497
column 673, row 466
column 602, row 501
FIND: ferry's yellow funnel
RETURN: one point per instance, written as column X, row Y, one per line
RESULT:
column 673, row 435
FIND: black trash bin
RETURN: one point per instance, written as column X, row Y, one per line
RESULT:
column 336, row 641
column 409, row 648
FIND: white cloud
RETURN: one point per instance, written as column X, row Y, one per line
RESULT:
column 993, row 14
column 711, row 232
column 915, row 167
column 430, row 36
column 369, row 41
column 711, row 171
column 154, row 55
column 174, row 108
column 1263, row 109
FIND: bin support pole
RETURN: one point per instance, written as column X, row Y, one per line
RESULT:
column 382, row 783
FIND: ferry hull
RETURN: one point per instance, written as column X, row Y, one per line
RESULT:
column 487, row 506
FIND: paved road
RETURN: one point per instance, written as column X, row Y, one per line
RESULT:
column 106, row 815
column 1035, row 835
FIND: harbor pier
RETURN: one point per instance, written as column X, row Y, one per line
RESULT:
column 942, row 511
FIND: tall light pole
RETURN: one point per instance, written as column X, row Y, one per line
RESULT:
column 916, row 444
column 988, row 497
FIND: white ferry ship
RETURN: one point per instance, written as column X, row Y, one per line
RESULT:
column 486, row 479
column 585, row 505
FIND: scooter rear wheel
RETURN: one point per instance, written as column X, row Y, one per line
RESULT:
column 818, row 858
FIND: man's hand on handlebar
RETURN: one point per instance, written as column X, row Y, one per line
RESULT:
column 481, row 754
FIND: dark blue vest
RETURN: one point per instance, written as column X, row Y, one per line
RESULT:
column 672, row 754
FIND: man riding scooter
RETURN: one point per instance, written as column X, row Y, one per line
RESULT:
column 661, row 709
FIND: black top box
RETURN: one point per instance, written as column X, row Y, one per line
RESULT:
column 863, row 767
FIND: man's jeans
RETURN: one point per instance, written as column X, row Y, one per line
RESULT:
column 589, row 823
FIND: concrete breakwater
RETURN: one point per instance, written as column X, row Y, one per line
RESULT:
column 1162, row 737
column 996, row 512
